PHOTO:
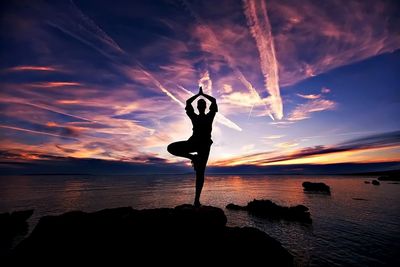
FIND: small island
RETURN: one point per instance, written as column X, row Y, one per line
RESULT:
column 312, row 187
column 265, row 208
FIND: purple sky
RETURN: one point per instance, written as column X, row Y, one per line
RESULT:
column 297, row 82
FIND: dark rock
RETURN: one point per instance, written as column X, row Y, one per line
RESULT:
column 358, row 198
column 268, row 209
column 367, row 182
column 389, row 178
column 375, row 182
column 232, row 206
column 184, row 235
column 316, row 187
column 12, row 225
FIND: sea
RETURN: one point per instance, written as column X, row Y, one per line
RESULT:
column 357, row 225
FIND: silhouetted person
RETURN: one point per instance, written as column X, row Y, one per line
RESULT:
column 200, row 141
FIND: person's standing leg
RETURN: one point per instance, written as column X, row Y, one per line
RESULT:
column 201, row 163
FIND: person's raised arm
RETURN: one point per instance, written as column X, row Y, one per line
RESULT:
column 213, row 106
column 189, row 108
column 191, row 99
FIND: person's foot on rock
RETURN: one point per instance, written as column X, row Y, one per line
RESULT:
column 197, row 204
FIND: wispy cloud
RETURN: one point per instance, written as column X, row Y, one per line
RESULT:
column 303, row 111
column 286, row 145
column 274, row 136
column 75, row 79
column 260, row 27
column 206, row 83
column 162, row 88
column 311, row 96
column 32, row 68
column 212, row 44
column 390, row 140
column 54, row 84
column 71, row 20
column 35, row 132
column 311, row 38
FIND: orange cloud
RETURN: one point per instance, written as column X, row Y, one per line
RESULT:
column 55, row 84
column 32, row 68
column 374, row 148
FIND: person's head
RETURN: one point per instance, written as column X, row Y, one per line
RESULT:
column 201, row 106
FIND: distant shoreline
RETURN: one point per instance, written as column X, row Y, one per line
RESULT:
column 390, row 172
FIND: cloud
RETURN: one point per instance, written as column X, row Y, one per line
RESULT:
column 32, row 68
column 240, row 99
column 389, row 140
column 35, row 132
column 211, row 43
column 303, row 111
column 54, row 84
column 206, row 83
column 69, row 19
column 274, row 136
column 247, row 148
column 311, row 38
column 325, row 90
column 286, row 145
column 311, row 96
column 260, row 28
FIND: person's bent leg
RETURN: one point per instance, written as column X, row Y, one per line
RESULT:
column 180, row 149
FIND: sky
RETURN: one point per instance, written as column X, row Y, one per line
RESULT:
column 296, row 82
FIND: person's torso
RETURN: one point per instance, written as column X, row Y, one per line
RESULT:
column 202, row 127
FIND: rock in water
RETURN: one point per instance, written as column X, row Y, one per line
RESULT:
column 184, row 235
column 268, row 209
column 316, row 187
column 375, row 182
column 232, row 206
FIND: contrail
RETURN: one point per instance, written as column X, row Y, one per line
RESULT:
column 228, row 58
column 260, row 28
column 161, row 87
column 57, row 111
column 253, row 91
column 35, row 132
column 219, row 117
column 72, row 21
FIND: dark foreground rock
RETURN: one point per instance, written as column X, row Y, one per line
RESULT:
column 316, row 187
column 375, row 182
column 181, row 236
column 12, row 225
column 268, row 209
column 367, row 182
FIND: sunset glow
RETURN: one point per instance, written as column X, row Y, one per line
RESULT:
column 295, row 83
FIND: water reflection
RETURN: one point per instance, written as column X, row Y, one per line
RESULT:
column 344, row 230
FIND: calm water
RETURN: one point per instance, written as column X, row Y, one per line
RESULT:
column 345, row 232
